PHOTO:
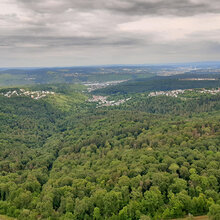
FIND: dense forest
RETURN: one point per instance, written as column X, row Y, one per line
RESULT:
column 187, row 104
column 63, row 158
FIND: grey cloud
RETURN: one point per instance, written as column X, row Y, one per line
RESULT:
column 171, row 7
column 90, row 28
column 127, row 7
column 64, row 42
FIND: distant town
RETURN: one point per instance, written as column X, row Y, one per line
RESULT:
column 199, row 79
column 102, row 101
column 91, row 86
column 32, row 94
column 175, row 93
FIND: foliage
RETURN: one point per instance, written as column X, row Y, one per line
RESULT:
column 63, row 158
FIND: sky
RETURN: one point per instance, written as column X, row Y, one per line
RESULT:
column 99, row 32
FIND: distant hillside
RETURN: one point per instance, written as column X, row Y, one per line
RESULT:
column 162, row 83
column 83, row 74
column 10, row 77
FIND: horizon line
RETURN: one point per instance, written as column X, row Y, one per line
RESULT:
column 109, row 65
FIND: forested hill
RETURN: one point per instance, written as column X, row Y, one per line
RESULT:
column 163, row 83
column 28, row 76
column 62, row 157
column 88, row 74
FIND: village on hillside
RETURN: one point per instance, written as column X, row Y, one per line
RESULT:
column 175, row 93
column 102, row 101
column 32, row 94
column 91, row 86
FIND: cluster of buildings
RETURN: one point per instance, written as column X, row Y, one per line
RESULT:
column 175, row 93
column 172, row 93
column 199, row 79
column 100, row 85
column 32, row 94
column 210, row 91
column 102, row 101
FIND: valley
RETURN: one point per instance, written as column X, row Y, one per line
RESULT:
column 69, row 152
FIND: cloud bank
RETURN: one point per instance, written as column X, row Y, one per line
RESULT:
column 86, row 32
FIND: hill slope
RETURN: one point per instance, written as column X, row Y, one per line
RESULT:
column 63, row 158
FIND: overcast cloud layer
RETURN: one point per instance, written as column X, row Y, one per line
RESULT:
column 90, row 32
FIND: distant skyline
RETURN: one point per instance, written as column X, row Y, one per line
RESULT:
column 98, row 32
